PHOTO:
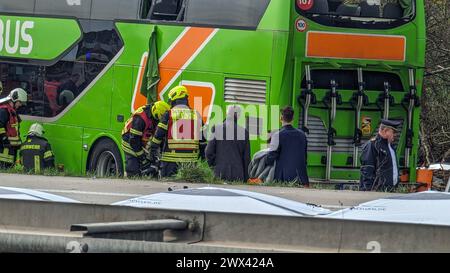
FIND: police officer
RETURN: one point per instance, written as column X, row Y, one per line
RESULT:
column 180, row 134
column 379, row 170
column 9, row 126
column 136, row 134
column 36, row 153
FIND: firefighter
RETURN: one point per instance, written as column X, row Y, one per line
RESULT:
column 9, row 126
column 180, row 134
column 36, row 153
column 136, row 134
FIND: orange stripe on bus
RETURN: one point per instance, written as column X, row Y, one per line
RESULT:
column 181, row 53
column 355, row 46
column 179, row 57
column 139, row 99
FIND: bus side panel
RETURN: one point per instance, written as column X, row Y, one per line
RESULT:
column 236, row 52
column 123, row 86
column 66, row 142
column 282, row 69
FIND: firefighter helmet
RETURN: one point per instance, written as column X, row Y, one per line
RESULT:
column 18, row 94
column 159, row 108
column 36, row 130
column 178, row 92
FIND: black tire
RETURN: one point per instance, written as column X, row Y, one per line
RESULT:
column 105, row 159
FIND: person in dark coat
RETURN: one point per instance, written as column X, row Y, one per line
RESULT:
column 288, row 147
column 379, row 169
column 228, row 149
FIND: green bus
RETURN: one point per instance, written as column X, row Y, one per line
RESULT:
column 342, row 65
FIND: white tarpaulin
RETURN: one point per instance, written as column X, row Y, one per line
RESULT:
column 32, row 195
column 224, row 200
column 418, row 208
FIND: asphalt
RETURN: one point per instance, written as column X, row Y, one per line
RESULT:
column 107, row 191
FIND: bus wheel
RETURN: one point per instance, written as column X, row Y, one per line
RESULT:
column 105, row 159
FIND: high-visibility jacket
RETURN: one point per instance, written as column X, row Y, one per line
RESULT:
column 10, row 127
column 36, row 154
column 181, row 130
column 137, row 131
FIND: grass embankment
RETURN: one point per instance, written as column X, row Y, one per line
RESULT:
column 201, row 173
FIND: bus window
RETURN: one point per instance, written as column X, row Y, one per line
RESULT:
column 164, row 10
column 357, row 13
column 79, row 9
column 100, row 41
column 65, row 80
column 62, row 84
column 233, row 13
column 19, row 6
column 115, row 9
column 28, row 78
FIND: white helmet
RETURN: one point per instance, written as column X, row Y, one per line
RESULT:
column 18, row 94
column 36, row 130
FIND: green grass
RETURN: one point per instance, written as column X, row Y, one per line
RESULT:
column 201, row 173
column 18, row 169
column 196, row 172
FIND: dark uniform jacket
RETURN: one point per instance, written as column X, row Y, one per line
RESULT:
column 376, row 166
column 289, row 149
column 36, row 154
column 228, row 150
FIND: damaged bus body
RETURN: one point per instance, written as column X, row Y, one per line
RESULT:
column 343, row 65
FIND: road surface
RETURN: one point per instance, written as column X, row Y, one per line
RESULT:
column 107, row 191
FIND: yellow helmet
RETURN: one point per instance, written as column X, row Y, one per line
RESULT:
column 178, row 92
column 159, row 108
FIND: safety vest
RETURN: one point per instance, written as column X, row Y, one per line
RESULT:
column 12, row 127
column 183, row 134
column 149, row 126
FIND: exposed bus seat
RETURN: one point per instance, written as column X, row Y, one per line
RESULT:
column 348, row 10
column 319, row 6
column 164, row 10
column 392, row 11
column 369, row 10
column 334, row 4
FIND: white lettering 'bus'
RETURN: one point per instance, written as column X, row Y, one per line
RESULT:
column 17, row 39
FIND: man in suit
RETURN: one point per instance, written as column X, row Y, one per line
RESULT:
column 288, row 147
column 228, row 149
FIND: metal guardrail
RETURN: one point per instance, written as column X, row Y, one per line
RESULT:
column 150, row 230
column 226, row 231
